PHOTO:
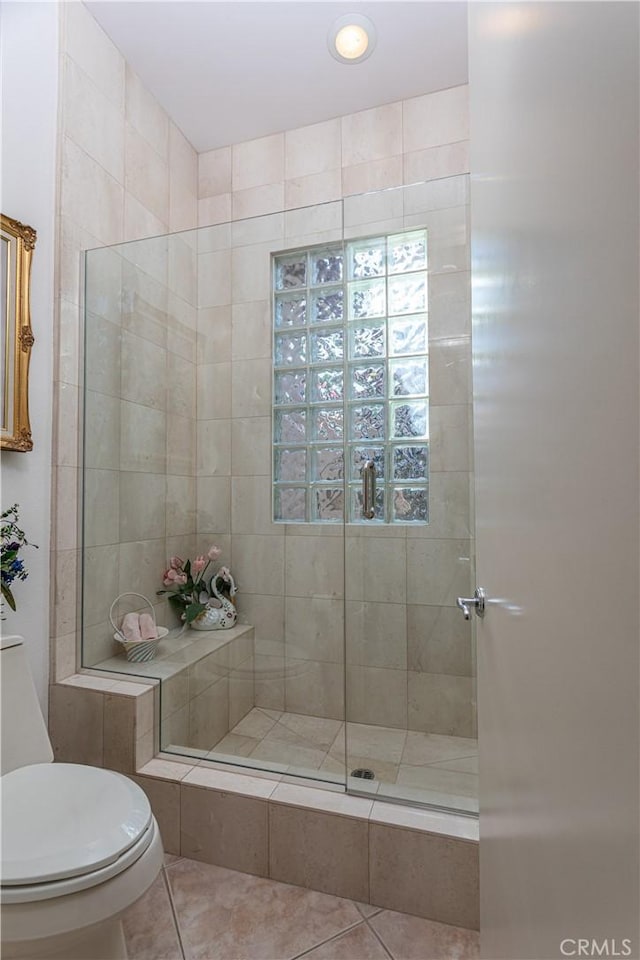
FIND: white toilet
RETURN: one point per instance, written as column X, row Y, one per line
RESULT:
column 79, row 844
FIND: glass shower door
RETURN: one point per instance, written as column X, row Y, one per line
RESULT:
column 243, row 381
column 410, row 665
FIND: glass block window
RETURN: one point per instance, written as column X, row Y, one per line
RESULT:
column 351, row 380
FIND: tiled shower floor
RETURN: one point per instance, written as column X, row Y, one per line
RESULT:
column 416, row 766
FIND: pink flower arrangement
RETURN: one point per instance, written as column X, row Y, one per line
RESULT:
column 188, row 592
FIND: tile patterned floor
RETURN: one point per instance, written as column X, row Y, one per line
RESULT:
column 419, row 766
column 196, row 911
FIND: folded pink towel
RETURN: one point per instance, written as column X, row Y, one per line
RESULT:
column 148, row 629
column 131, row 627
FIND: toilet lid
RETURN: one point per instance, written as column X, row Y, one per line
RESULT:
column 63, row 820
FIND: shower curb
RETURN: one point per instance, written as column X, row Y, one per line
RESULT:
column 408, row 859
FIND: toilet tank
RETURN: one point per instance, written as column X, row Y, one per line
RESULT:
column 24, row 738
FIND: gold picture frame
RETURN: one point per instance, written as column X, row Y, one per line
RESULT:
column 17, row 242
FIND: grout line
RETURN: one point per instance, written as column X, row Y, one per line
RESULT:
column 174, row 912
column 331, row 939
column 377, row 936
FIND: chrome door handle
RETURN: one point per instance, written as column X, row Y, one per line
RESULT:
column 369, row 490
column 477, row 601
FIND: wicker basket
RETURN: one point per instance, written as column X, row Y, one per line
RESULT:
column 137, row 650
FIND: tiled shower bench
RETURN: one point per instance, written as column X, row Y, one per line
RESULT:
column 207, row 683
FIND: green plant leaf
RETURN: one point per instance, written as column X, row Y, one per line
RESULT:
column 6, row 593
column 194, row 610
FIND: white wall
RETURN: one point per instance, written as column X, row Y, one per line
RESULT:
column 29, row 49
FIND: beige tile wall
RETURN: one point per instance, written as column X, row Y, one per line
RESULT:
column 409, row 652
column 140, row 484
column 125, row 172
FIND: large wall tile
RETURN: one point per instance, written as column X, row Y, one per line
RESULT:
column 251, row 272
column 64, row 592
column 441, row 704
column 65, row 486
column 251, row 330
column 266, row 615
column 214, row 504
column 142, row 563
column 258, row 162
column 102, row 350
column 214, row 172
column 314, row 189
column 251, row 507
column 181, row 446
column 119, row 733
column 336, row 854
column 444, row 194
column 258, row 564
column 142, row 506
column 377, row 696
column 209, row 715
column 251, row 388
column 213, row 391
column 376, row 634
column 76, row 724
column 251, row 447
column 142, row 438
column 213, row 447
column 90, row 196
column 182, row 276
column 101, row 585
column 449, row 306
column 225, row 829
column 449, row 507
column 438, row 571
column 314, row 629
column 448, row 160
column 314, row 567
column 376, row 568
column 372, row 134
column 164, row 798
column 92, row 120
column 183, row 182
column 313, row 149
column 146, row 174
column 451, row 443
column 374, row 175
column 144, row 372
column 143, row 112
column 269, row 682
column 92, row 50
column 450, row 371
column 436, row 118
column 257, row 201
column 214, row 210
column 102, row 507
column 140, row 223
column 314, row 689
column 258, row 230
column 181, row 386
column 439, row 641
column 214, row 278
column 214, row 334
column 430, row 876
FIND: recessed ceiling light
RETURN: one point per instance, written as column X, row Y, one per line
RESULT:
column 352, row 38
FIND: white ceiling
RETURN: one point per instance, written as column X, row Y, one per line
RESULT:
column 231, row 71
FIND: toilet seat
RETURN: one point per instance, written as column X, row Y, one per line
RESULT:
column 67, row 827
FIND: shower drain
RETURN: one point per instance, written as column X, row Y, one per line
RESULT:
column 363, row 773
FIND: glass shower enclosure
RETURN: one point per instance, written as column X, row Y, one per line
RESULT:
column 293, row 390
